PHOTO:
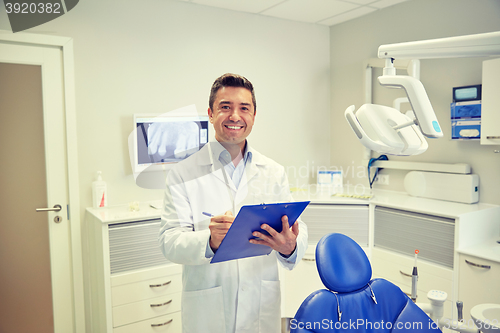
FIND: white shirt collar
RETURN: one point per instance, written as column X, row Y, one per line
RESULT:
column 220, row 153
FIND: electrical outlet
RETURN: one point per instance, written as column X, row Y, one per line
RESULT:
column 382, row 180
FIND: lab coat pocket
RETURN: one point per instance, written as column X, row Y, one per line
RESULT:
column 203, row 311
column 270, row 313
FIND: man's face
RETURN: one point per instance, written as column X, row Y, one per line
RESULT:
column 233, row 115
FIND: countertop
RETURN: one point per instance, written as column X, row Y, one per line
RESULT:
column 391, row 199
column 488, row 249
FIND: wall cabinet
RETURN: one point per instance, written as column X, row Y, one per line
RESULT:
column 490, row 108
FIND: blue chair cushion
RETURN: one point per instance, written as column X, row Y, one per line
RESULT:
column 342, row 263
column 394, row 312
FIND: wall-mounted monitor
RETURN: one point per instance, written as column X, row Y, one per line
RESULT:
column 160, row 140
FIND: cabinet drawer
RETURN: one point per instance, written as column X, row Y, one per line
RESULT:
column 166, row 324
column 145, row 274
column 478, row 285
column 154, row 307
column 143, row 290
column 430, row 276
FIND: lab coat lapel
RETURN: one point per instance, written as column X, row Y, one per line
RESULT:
column 215, row 166
column 220, row 176
column 251, row 171
column 252, row 168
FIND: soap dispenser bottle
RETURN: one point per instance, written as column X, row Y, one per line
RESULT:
column 99, row 192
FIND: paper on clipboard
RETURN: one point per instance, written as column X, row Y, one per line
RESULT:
column 236, row 245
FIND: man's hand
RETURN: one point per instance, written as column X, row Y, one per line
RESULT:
column 219, row 225
column 283, row 242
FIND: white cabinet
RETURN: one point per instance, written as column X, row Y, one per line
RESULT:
column 479, row 282
column 321, row 219
column 155, row 301
column 165, row 324
column 397, row 268
column 130, row 286
column 490, row 109
column 440, row 230
column 397, row 234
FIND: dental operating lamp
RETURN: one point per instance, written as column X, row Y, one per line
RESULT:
column 385, row 129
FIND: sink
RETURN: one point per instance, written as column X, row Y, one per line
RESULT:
column 487, row 317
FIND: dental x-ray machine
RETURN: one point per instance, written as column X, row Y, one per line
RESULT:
column 385, row 129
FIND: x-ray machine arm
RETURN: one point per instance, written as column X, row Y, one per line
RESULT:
column 386, row 130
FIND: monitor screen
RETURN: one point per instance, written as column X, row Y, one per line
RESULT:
column 467, row 93
column 164, row 139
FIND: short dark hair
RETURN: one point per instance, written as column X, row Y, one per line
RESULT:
column 230, row 80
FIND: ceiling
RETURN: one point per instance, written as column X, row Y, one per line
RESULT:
column 325, row 12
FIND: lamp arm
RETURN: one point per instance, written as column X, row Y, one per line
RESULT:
column 419, row 101
column 477, row 45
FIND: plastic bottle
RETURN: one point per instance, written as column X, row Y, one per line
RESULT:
column 99, row 192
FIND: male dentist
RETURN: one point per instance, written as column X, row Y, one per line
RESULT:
column 239, row 295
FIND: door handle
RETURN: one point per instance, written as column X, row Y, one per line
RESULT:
column 160, row 285
column 477, row 265
column 55, row 209
column 161, row 304
column 405, row 274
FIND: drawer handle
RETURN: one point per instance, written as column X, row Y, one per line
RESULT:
column 493, row 137
column 477, row 265
column 160, row 285
column 163, row 324
column 405, row 274
column 161, row 304
column 308, row 259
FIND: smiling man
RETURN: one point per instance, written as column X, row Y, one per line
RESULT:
column 239, row 295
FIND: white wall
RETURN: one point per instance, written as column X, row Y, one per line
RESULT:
column 165, row 54
column 353, row 42
column 156, row 56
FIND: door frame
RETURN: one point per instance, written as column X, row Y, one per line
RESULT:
column 66, row 46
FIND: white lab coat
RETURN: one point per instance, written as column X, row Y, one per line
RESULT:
column 233, row 296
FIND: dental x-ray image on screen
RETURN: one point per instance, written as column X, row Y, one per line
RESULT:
column 169, row 139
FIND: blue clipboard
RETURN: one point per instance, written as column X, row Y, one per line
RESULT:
column 236, row 245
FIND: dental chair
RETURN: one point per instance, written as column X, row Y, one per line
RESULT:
column 352, row 301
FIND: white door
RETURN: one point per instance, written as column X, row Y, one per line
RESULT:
column 36, row 282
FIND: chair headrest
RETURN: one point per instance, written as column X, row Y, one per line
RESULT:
column 342, row 264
